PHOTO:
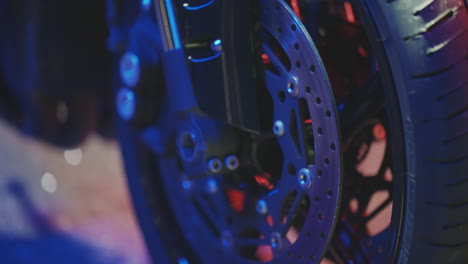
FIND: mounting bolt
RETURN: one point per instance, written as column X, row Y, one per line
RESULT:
column 216, row 46
column 215, row 165
column 278, row 128
column 187, row 145
column 293, row 90
column 186, row 184
column 275, row 240
column 211, row 186
column 232, row 162
column 145, row 4
column 262, row 207
column 183, row 261
column 304, row 179
column 130, row 69
column 125, row 102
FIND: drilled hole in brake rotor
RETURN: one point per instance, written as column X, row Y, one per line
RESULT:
column 312, row 68
column 318, row 100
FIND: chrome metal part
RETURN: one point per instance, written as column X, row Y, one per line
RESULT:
column 276, row 240
column 125, row 103
column 130, row 69
column 293, row 89
column 232, row 162
column 278, row 128
column 262, row 207
column 215, row 165
column 304, row 179
column 216, row 46
column 166, row 19
column 211, row 186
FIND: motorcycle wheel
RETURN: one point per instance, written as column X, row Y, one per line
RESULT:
column 420, row 47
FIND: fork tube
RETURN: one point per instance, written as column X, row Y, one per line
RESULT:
column 180, row 94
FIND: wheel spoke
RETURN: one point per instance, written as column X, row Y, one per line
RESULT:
column 378, row 210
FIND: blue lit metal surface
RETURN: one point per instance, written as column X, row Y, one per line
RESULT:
column 173, row 24
column 146, row 4
column 130, row 69
column 125, row 102
column 217, row 42
column 217, row 45
column 192, row 8
column 205, row 59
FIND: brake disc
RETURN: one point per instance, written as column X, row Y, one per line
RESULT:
column 300, row 88
column 250, row 215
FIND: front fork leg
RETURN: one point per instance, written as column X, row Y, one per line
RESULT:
column 179, row 89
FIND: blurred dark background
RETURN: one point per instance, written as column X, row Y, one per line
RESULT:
column 63, row 196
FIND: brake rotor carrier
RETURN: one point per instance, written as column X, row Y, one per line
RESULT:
column 293, row 221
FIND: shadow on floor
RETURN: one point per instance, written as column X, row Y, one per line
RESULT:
column 49, row 245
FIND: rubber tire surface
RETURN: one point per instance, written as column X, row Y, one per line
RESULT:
column 426, row 44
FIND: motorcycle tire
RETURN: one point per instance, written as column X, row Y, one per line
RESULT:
column 425, row 47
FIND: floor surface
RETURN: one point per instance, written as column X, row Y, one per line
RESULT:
column 68, row 206
column 72, row 206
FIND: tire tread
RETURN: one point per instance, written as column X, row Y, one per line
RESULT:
column 432, row 49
